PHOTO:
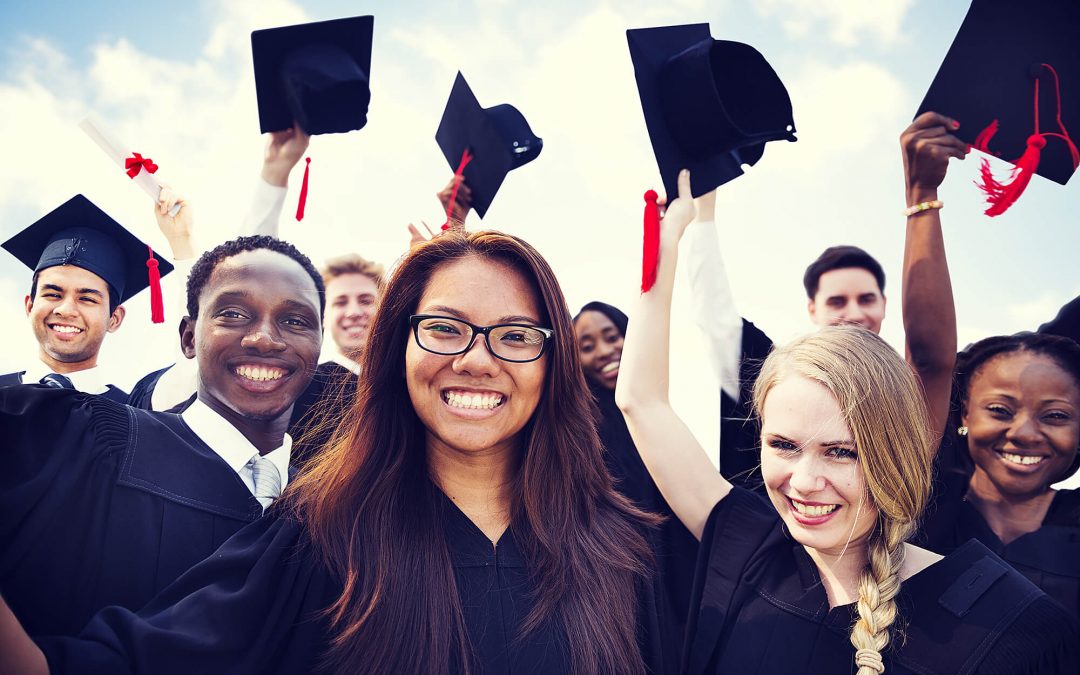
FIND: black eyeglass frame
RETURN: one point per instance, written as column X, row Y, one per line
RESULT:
column 415, row 319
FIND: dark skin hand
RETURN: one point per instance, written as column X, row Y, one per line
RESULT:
column 460, row 210
column 928, row 310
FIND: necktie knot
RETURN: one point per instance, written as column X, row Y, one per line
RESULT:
column 57, row 381
column 267, row 480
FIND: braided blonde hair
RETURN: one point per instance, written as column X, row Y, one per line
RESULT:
column 882, row 403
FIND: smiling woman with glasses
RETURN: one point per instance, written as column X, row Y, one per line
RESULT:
column 460, row 521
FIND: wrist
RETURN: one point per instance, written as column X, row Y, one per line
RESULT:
column 277, row 176
column 917, row 195
column 182, row 247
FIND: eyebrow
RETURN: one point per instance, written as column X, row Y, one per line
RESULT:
column 827, row 444
column 512, row 318
column 81, row 291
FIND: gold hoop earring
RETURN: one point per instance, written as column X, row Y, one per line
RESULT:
column 962, row 431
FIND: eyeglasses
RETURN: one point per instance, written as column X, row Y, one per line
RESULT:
column 513, row 342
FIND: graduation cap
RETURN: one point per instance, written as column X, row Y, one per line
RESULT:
column 315, row 74
column 484, row 144
column 1012, row 78
column 710, row 105
column 79, row 233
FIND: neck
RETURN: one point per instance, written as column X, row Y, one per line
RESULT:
column 479, row 483
column 265, row 434
column 1009, row 516
column 840, row 571
column 66, row 367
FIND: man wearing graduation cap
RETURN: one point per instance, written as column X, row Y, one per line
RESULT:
column 85, row 266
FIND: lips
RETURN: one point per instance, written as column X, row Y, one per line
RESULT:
column 812, row 513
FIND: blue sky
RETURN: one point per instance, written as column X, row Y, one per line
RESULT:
column 177, row 82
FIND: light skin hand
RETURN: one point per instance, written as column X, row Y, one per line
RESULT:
column 462, row 201
column 283, row 150
column 679, row 213
column 178, row 229
column 705, row 206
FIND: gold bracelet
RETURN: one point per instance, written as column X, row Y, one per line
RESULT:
column 923, row 206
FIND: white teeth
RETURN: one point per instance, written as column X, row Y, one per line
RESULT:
column 66, row 329
column 260, row 373
column 1021, row 459
column 808, row 510
column 614, row 365
column 472, row 401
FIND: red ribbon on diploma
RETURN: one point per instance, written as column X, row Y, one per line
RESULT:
column 136, row 162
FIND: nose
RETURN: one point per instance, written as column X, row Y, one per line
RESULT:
column 263, row 340
column 353, row 310
column 806, row 476
column 65, row 307
column 477, row 361
column 1024, row 431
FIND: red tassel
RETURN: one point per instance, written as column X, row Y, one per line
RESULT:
column 651, row 250
column 466, row 157
column 157, row 304
column 303, row 191
column 982, row 141
column 1001, row 195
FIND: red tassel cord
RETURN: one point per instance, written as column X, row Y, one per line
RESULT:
column 157, row 304
column 466, row 157
column 651, row 249
column 1000, row 195
column 302, row 202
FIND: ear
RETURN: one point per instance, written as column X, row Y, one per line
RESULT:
column 116, row 318
column 811, row 310
column 187, row 337
column 29, row 302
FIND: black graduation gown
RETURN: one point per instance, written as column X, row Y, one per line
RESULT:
column 1049, row 557
column 254, row 607
column 759, row 607
column 740, row 447
column 102, row 504
column 674, row 546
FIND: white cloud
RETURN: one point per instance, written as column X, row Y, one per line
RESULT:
column 846, row 22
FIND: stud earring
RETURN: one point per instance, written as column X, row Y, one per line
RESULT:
column 963, row 431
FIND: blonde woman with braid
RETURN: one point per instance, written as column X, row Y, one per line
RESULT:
column 818, row 577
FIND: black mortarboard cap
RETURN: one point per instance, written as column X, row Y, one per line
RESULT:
column 314, row 73
column 498, row 138
column 710, row 105
column 990, row 72
column 79, row 233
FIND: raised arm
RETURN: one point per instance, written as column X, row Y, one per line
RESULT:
column 283, row 150
column 675, row 459
column 928, row 308
column 710, row 295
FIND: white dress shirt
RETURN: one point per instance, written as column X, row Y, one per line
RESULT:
column 89, row 380
column 231, row 445
column 345, row 362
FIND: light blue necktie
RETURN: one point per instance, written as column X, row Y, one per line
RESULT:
column 267, row 480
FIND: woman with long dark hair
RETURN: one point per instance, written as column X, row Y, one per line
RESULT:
column 1014, row 434
column 460, row 521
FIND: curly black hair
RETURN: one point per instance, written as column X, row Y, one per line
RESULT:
column 208, row 262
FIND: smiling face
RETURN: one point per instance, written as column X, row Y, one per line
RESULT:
column 811, row 469
column 1023, row 419
column 70, row 316
column 257, row 336
column 849, row 295
column 599, row 347
column 474, row 402
column 351, row 300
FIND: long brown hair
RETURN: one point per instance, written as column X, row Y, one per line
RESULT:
column 375, row 515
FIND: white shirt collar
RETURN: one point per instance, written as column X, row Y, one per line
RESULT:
column 231, row 445
column 344, row 361
column 89, row 380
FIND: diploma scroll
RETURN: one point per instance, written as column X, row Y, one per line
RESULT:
column 138, row 168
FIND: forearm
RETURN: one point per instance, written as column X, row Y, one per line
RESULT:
column 929, row 312
column 265, row 213
column 18, row 653
column 674, row 458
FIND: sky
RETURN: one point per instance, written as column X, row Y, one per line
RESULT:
column 178, row 86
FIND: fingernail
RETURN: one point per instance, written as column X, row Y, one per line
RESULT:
column 955, row 124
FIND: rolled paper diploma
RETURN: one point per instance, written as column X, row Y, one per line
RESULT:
column 120, row 153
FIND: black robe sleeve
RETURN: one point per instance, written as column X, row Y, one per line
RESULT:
column 255, row 606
